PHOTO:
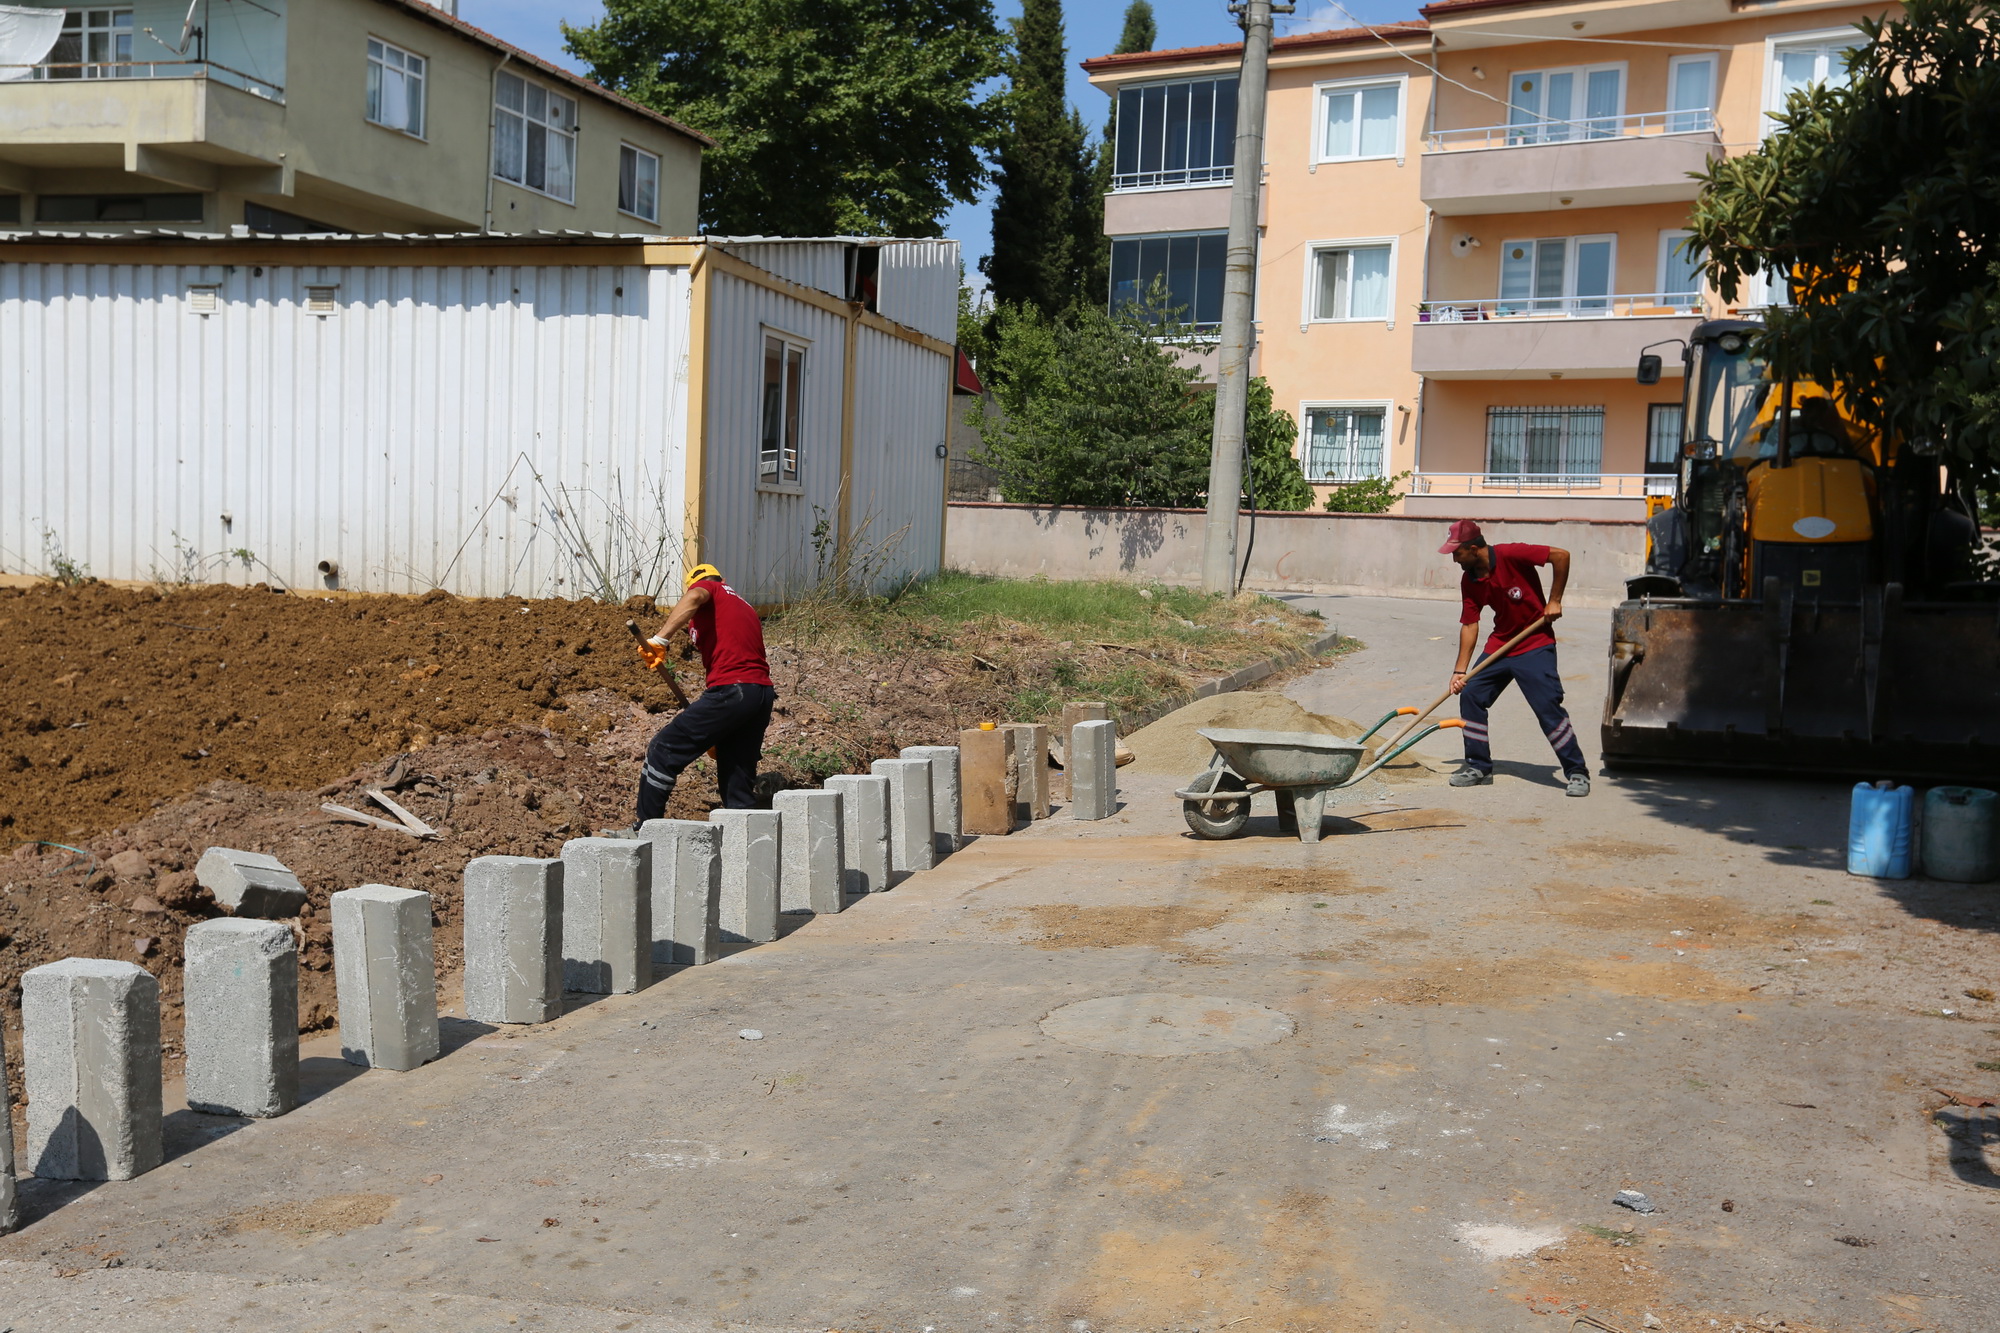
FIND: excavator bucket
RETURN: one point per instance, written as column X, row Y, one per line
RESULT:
column 1872, row 689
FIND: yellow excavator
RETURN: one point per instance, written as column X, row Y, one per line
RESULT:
column 1810, row 601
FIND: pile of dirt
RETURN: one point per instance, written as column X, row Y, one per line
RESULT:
column 143, row 726
column 1172, row 746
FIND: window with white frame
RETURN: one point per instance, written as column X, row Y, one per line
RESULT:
column 1360, row 120
column 90, row 36
column 1680, row 274
column 638, row 183
column 534, row 137
column 1558, row 445
column 1343, row 442
column 1557, row 275
column 1553, row 105
column 1175, row 134
column 1350, row 282
column 784, row 387
column 1690, row 94
column 396, row 88
column 1805, row 60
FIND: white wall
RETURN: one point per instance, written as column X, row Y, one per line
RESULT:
column 443, row 427
column 1371, row 554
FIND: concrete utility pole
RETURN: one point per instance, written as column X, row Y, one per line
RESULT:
column 1239, row 289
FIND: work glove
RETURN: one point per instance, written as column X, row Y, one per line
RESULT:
column 653, row 652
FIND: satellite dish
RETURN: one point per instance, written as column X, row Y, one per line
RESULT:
column 188, row 30
column 1464, row 245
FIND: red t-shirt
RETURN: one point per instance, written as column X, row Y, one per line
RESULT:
column 729, row 637
column 1514, row 590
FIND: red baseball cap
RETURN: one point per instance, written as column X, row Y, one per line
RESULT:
column 1463, row 531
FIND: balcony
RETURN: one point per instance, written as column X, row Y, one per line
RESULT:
column 194, row 125
column 1582, row 337
column 1525, row 495
column 1602, row 162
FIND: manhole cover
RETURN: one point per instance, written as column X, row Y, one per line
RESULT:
column 1161, row 1024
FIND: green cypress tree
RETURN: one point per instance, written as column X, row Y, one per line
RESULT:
column 1093, row 247
column 1032, row 212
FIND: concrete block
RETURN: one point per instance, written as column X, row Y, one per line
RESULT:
column 986, row 780
column 945, row 812
column 250, row 883
column 91, row 1046
column 242, row 1026
column 1093, row 767
column 1031, row 770
column 607, row 915
column 1082, row 710
column 809, row 857
column 864, row 831
column 10, row 1208
column 513, row 939
column 911, row 847
column 385, row 976
column 749, row 873
column 687, row 890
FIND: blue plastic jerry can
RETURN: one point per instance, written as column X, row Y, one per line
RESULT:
column 1879, row 831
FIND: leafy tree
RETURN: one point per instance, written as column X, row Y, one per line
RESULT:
column 1093, row 247
column 1039, row 157
column 830, row 116
column 1877, row 199
column 1100, row 411
column 1370, row 495
column 1140, row 31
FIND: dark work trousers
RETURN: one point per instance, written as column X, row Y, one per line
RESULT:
column 730, row 718
column 1541, row 685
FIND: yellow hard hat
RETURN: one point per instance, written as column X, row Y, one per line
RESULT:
column 700, row 572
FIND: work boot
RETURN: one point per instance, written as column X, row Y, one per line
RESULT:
column 1471, row 777
column 1579, row 785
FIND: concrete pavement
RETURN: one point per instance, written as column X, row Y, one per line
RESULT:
column 1104, row 1076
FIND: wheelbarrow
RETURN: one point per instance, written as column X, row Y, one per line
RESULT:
column 1302, row 767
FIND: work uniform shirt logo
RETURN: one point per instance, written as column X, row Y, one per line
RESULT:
column 1514, row 593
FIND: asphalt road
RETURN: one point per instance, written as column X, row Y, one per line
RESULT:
column 1104, row 1076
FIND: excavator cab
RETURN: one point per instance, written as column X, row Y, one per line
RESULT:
column 1806, row 602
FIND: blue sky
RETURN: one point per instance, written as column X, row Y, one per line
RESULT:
column 1092, row 28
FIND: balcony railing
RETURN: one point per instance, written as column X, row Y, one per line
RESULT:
column 1173, row 180
column 1563, row 307
column 1638, row 125
column 92, row 70
column 1590, row 485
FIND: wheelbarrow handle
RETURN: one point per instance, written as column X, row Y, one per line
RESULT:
column 1397, row 747
column 1387, row 718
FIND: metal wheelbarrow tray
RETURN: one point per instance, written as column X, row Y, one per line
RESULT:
column 1302, row 767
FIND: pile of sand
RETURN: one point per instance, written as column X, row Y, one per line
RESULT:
column 1170, row 747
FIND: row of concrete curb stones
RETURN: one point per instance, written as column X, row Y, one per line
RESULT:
column 605, row 917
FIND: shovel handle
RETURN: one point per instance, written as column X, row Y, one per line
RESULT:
column 667, row 672
column 1478, row 667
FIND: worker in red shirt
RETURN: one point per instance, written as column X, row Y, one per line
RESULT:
column 1504, row 578
column 734, row 707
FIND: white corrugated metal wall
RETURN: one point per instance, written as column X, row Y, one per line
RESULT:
column 492, row 430
column 760, row 537
column 917, row 285
column 821, row 264
column 900, row 411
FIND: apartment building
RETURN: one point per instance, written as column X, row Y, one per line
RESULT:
column 1470, row 225
column 300, row 116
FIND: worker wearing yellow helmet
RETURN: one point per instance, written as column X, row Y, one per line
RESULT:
column 734, row 707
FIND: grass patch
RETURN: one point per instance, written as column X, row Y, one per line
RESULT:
column 1046, row 642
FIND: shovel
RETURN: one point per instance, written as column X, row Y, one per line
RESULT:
column 666, row 670
column 1478, row 667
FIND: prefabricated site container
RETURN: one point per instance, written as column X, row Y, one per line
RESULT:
column 546, row 415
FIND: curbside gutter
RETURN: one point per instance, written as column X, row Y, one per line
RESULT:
column 1238, row 679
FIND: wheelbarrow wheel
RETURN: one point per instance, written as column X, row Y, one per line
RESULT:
column 1216, row 819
